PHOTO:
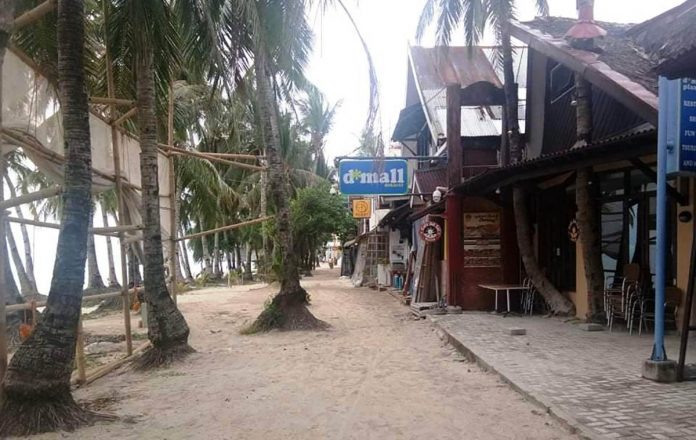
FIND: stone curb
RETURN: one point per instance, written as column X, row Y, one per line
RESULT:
column 557, row 413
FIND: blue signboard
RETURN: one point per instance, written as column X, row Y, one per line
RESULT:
column 687, row 125
column 373, row 177
column 677, row 128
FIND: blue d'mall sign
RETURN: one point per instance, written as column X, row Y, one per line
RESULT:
column 373, row 177
column 679, row 114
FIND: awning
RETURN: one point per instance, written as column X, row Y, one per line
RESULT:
column 624, row 147
column 434, row 208
column 411, row 122
column 395, row 216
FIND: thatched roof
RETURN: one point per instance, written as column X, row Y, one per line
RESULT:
column 669, row 37
column 618, row 50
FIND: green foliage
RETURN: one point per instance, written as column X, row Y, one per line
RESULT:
column 316, row 215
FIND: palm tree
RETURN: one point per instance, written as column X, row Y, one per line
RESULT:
column 108, row 204
column 28, row 259
column 287, row 35
column 36, row 387
column 474, row 15
column 138, row 30
column 318, row 118
column 588, row 219
column 94, row 278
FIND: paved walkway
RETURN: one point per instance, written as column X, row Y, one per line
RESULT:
column 590, row 379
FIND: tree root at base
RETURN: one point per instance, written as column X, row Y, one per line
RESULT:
column 158, row 357
column 29, row 415
column 288, row 318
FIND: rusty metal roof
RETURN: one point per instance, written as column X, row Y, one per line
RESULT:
column 435, row 68
column 427, row 180
column 438, row 66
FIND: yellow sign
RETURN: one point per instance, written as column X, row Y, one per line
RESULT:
column 362, row 208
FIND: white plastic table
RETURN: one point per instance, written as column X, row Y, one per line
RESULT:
column 507, row 288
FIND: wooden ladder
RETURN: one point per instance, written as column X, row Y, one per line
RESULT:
column 424, row 277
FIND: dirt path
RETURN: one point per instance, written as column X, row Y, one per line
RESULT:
column 377, row 374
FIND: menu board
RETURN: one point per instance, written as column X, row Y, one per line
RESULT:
column 482, row 239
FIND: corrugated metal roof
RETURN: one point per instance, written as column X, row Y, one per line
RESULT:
column 623, row 145
column 427, row 180
column 436, row 67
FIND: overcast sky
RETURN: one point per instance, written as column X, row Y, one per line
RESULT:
column 340, row 70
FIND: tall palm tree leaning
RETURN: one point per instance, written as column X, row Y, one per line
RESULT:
column 144, row 25
column 288, row 308
column 36, row 389
column 475, row 15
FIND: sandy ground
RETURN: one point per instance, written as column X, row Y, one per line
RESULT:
column 377, row 374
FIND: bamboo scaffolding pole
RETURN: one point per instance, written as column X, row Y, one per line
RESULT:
column 31, row 197
column 34, row 14
column 134, row 238
column 127, row 115
column 172, row 198
column 225, row 228
column 47, row 154
column 111, row 90
column 34, row 304
column 108, row 232
column 111, row 229
column 108, row 368
column 220, row 160
column 111, row 101
column 236, row 156
column 171, row 148
column 182, row 152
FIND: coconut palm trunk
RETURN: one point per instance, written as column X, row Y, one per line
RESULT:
column 113, row 278
column 588, row 215
column 558, row 303
column 217, row 257
column 183, row 252
column 36, row 390
column 287, row 309
column 167, row 328
column 28, row 259
column 94, row 278
column 25, row 284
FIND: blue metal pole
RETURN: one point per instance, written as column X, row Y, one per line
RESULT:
column 658, row 353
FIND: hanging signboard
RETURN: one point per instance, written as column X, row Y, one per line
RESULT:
column 430, row 232
column 373, row 177
column 680, row 126
column 482, row 239
column 362, row 208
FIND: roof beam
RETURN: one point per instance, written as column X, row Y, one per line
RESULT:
column 34, row 14
column 652, row 175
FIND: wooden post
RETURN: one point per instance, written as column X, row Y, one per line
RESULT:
column 33, row 313
column 3, row 290
column 121, row 211
column 80, row 354
column 453, row 204
column 172, row 198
